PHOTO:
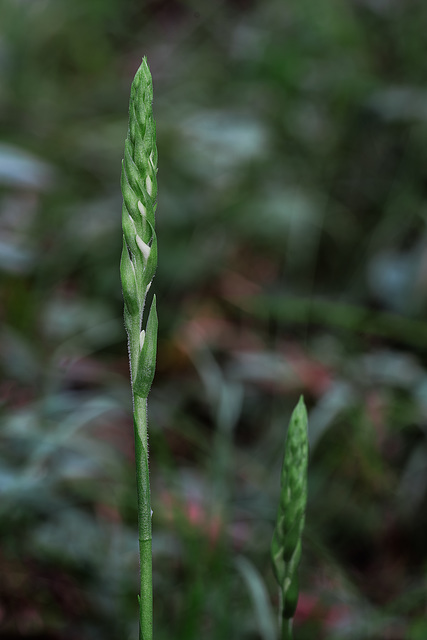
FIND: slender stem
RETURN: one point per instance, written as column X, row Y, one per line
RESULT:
column 146, row 611
column 144, row 520
column 286, row 629
column 144, row 499
column 285, row 624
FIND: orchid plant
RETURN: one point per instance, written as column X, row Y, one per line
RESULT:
column 137, row 268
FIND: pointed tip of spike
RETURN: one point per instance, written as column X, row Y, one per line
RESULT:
column 300, row 408
column 143, row 75
column 144, row 68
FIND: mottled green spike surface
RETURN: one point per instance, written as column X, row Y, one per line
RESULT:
column 137, row 267
column 286, row 544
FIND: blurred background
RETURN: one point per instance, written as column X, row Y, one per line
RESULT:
column 291, row 222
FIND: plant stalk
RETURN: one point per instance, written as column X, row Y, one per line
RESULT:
column 286, row 629
column 137, row 267
column 144, row 521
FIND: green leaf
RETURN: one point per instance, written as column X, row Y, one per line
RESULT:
column 147, row 356
column 127, row 274
column 151, row 265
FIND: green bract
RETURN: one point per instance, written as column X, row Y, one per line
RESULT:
column 286, row 544
column 137, row 268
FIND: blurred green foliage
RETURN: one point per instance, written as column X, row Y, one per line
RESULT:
column 292, row 143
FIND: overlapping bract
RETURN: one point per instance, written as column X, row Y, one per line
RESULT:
column 286, row 544
column 139, row 255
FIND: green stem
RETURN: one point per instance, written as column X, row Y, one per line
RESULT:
column 284, row 623
column 144, row 519
column 144, row 500
column 146, row 604
column 286, row 629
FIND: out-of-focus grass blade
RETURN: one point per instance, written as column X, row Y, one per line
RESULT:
column 265, row 618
